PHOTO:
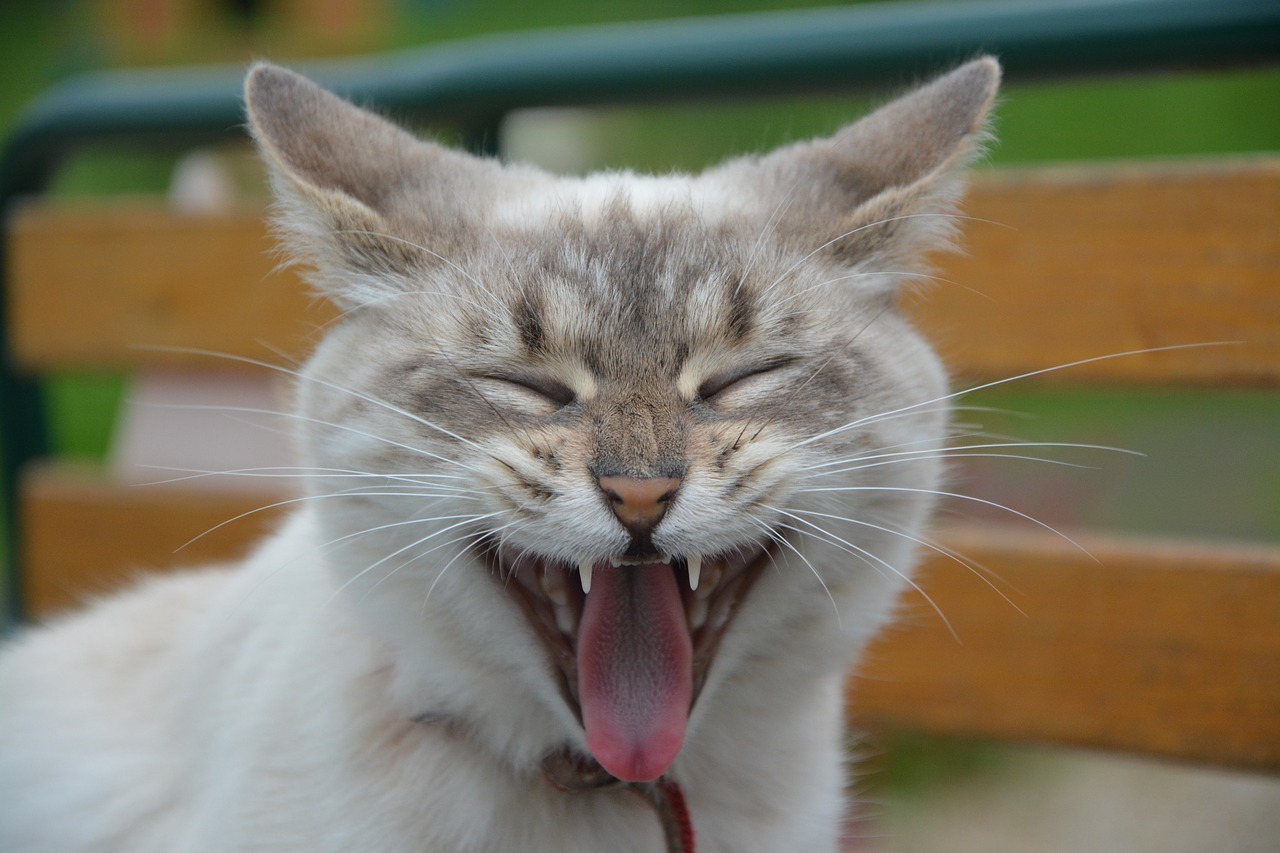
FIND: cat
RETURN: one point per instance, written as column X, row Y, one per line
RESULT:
column 610, row 480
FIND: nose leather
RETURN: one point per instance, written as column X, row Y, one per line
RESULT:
column 639, row 503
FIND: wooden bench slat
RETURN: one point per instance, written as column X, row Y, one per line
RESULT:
column 114, row 286
column 1074, row 263
column 1171, row 650
column 1167, row 649
column 85, row 534
column 1068, row 264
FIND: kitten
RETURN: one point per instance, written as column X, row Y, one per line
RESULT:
column 600, row 505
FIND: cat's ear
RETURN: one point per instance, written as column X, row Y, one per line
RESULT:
column 882, row 191
column 362, row 202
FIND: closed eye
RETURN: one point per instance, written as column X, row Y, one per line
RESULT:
column 548, row 389
column 718, row 383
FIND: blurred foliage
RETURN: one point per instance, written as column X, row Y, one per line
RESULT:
column 916, row 765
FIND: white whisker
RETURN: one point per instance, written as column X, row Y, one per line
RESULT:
column 316, row 380
column 411, row 244
column 782, row 540
column 769, row 226
column 949, row 553
column 440, row 574
column 824, row 535
column 303, row 499
column 286, row 472
column 869, row 419
column 469, row 519
column 318, row 422
column 443, row 293
column 896, row 273
column 961, row 497
column 975, row 451
column 879, row 222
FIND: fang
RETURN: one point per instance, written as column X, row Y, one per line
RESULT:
column 695, row 570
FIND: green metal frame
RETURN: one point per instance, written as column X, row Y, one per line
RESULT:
column 474, row 83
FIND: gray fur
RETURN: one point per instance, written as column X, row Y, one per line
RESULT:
column 392, row 670
column 406, row 663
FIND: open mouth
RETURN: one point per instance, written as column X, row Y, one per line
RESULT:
column 632, row 641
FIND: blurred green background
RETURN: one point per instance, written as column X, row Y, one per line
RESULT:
column 1191, row 482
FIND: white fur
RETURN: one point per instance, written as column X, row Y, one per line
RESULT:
column 361, row 681
column 248, row 710
column 590, row 196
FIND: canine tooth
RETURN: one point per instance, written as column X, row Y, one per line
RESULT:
column 584, row 574
column 695, row 570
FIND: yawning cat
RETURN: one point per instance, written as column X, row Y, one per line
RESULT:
column 610, row 479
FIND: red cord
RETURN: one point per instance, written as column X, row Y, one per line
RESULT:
column 679, row 813
column 571, row 773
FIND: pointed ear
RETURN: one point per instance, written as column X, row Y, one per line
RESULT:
column 881, row 191
column 362, row 202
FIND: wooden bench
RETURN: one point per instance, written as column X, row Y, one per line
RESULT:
column 1156, row 646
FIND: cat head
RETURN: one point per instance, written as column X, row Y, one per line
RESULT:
column 590, row 444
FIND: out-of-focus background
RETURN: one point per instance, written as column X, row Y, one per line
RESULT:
column 922, row 794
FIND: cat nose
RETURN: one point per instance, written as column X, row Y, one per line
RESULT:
column 639, row 504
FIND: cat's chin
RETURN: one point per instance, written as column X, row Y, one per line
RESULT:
column 681, row 647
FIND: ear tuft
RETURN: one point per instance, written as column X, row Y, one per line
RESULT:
column 322, row 142
column 880, row 192
column 362, row 203
column 937, row 126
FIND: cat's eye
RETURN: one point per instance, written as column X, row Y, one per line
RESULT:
column 718, row 383
column 549, row 389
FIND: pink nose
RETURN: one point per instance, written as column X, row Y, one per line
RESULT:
column 639, row 504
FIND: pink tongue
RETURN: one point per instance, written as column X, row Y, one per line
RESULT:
column 634, row 670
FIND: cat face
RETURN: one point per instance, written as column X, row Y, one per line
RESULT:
column 601, row 443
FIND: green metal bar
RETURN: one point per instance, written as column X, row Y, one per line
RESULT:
column 836, row 49
column 474, row 83
column 25, row 435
